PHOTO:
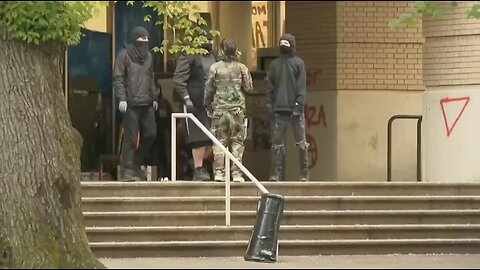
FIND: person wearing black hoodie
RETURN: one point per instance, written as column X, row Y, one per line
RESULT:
column 189, row 80
column 134, row 85
column 285, row 101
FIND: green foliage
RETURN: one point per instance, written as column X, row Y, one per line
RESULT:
column 435, row 9
column 184, row 21
column 37, row 22
column 474, row 12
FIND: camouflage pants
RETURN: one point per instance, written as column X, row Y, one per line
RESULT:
column 228, row 128
column 280, row 125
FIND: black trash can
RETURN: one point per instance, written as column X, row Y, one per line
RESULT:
column 263, row 245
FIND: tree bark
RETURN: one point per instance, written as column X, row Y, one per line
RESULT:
column 41, row 221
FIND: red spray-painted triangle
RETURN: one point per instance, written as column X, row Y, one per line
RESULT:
column 448, row 100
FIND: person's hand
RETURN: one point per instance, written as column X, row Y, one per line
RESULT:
column 155, row 105
column 122, row 106
column 297, row 110
column 189, row 104
column 209, row 111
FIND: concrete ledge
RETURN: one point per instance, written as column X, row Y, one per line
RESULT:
column 288, row 247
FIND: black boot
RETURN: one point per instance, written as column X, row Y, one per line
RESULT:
column 275, row 175
column 208, row 167
column 276, row 171
column 278, row 158
column 304, row 164
column 304, row 176
column 200, row 174
column 129, row 175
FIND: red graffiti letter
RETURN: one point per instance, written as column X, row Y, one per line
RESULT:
column 311, row 113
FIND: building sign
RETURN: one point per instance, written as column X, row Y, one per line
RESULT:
column 259, row 27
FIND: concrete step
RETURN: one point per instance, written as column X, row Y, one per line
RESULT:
column 217, row 203
column 286, row 247
column 201, row 189
column 287, row 232
column 325, row 217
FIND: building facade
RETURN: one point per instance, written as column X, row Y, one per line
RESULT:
column 360, row 72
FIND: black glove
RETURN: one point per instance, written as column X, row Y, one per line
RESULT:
column 297, row 110
column 189, row 104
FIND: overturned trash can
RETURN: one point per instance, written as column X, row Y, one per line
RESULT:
column 263, row 244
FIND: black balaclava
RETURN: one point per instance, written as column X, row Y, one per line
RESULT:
column 287, row 44
column 138, row 50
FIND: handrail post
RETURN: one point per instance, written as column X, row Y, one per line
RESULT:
column 419, row 149
column 389, row 149
column 173, row 152
column 227, row 191
column 419, row 144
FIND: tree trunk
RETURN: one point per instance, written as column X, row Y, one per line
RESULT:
column 41, row 221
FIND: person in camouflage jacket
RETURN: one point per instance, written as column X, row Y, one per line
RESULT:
column 227, row 83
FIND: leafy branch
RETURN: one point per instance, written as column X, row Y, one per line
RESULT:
column 183, row 19
column 435, row 9
column 36, row 22
column 61, row 22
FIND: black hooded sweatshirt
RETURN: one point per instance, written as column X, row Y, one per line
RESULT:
column 191, row 73
column 133, row 76
column 286, row 80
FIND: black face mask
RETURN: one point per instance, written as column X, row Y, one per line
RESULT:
column 143, row 48
column 138, row 52
column 285, row 50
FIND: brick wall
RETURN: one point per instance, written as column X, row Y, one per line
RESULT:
column 451, row 53
column 370, row 55
column 354, row 48
column 319, row 50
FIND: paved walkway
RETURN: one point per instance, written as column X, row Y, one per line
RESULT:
column 354, row 261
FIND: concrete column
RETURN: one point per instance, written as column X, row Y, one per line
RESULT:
column 452, row 107
column 235, row 21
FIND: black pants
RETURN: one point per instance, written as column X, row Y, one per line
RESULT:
column 137, row 119
column 160, row 150
column 280, row 125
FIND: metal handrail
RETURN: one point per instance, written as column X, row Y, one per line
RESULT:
column 228, row 157
column 419, row 144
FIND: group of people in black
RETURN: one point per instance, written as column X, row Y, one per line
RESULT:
column 145, row 111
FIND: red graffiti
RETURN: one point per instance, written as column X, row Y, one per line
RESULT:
column 444, row 102
column 315, row 116
column 312, row 151
column 312, row 77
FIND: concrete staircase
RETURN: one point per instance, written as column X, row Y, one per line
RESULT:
column 165, row 219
